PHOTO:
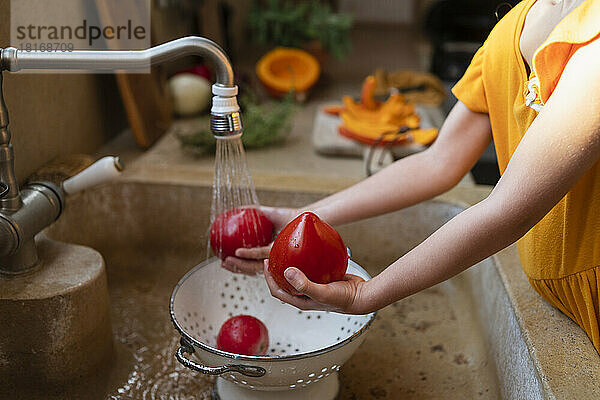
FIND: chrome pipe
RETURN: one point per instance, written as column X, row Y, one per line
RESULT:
column 11, row 200
column 14, row 60
column 24, row 214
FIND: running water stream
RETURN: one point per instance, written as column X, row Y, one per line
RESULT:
column 232, row 185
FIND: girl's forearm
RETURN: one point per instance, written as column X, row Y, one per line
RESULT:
column 462, row 139
column 468, row 238
column 391, row 189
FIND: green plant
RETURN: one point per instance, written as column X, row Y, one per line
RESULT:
column 288, row 23
column 267, row 123
column 332, row 30
column 264, row 125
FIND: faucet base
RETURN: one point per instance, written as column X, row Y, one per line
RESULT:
column 42, row 205
column 26, row 257
column 55, row 321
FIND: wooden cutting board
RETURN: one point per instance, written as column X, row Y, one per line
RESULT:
column 144, row 96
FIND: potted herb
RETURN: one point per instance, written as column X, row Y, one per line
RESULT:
column 265, row 124
column 309, row 24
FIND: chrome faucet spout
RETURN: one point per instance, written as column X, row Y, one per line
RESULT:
column 110, row 61
column 23, row 214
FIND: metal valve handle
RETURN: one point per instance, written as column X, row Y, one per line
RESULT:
column 247, row 370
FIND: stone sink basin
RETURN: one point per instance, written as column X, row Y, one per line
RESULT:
column 482, row 335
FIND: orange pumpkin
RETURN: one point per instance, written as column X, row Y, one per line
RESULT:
column 284, row 69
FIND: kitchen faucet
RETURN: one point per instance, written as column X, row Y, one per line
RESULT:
column 26, row 212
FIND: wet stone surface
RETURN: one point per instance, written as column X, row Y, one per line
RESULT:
column 423, row 347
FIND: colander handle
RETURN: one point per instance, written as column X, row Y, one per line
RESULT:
column 247, row 370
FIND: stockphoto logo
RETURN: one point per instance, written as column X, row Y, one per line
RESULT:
column 84, row 31
column 62, row 26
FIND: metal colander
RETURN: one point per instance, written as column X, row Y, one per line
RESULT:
column 305, row 347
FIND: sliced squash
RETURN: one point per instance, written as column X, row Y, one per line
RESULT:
column 334, row 109
column 424, row 136
column 381, row 141
column 284, row 69
column 373, row 122
column 372, row 129
column 367, row 96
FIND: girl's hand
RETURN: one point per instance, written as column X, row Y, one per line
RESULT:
column 250, row 261
column 347, row 296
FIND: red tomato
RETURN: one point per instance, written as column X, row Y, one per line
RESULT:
column 243, row 334
column 239, row 227
column 311, row 245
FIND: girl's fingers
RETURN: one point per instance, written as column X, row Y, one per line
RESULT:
column 301, row 302
column 275, row 290
column 335, row 296
column 316, row 291
column 256, row 253
column 238, row 265
column 230, row 267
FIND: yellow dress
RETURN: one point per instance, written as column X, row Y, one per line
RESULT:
column 561, row 253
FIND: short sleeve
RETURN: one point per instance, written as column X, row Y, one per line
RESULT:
column 578, row 29
column 470, row 89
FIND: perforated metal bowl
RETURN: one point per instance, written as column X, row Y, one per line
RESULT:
column 305, row 347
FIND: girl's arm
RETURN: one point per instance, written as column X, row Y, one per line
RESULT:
column 411, row 180
column 408, row 181
column 557, row 150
